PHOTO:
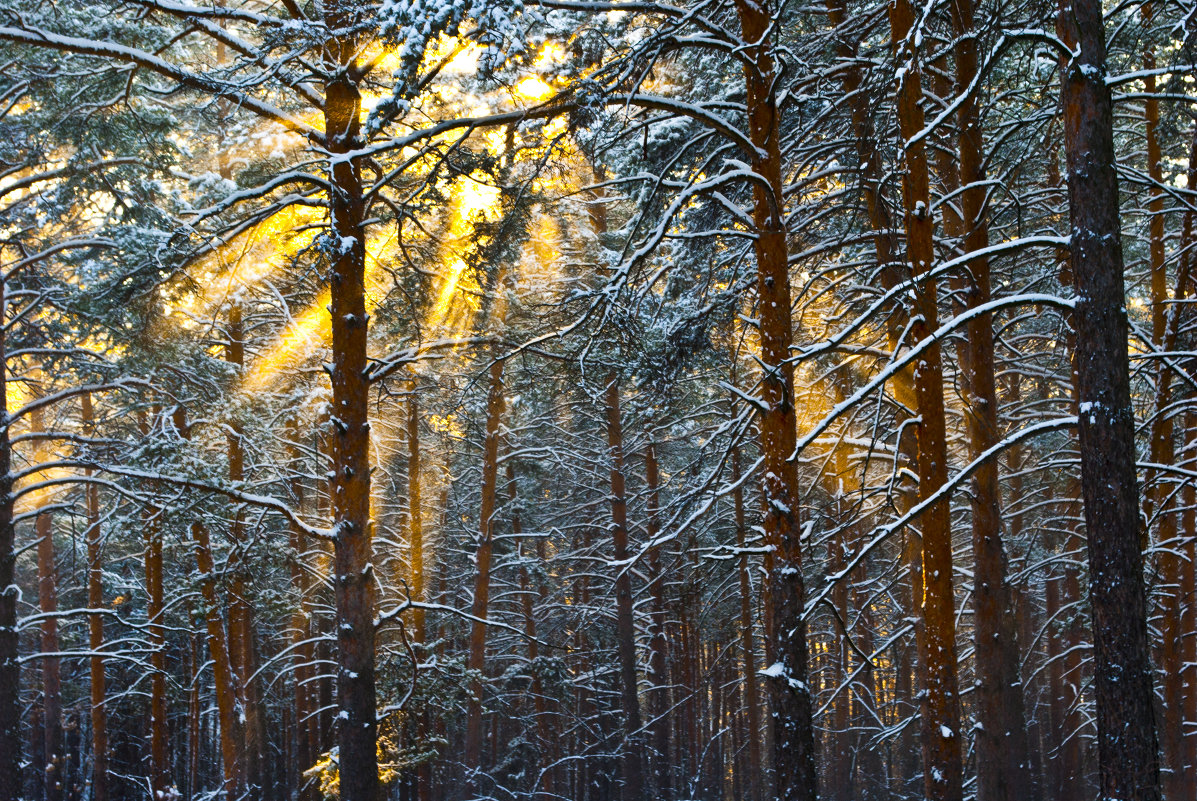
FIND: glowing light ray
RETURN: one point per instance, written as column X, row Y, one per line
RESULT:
column 306, row 332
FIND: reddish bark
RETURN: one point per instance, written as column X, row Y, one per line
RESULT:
column 95, row 625
column 658, row 645
column 793, row 735
column 228, row 709
column 53, row 779
column 353, row 533
column 625, row 624
column 940, row 718
column 752, row 785
column 495, row 404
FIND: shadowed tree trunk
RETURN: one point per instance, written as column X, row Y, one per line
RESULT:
column 495, row 404
column 10, row 665
column 415, row 533
column 303, row 653
column 1169, row 317
column 752, row 785
column 242, row 634
column 159, row 745
column 1003, row 751
column 658, row 646
column 228, row 708
column 52, row 757
column 625, row 624
column 1127, row 750
column 95, row 623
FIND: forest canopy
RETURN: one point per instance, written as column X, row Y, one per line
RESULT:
column 436, row 400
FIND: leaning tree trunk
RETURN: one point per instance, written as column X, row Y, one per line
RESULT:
column 793, row 732
column 940, row 709
column 1003, row 750
column 1126, row 738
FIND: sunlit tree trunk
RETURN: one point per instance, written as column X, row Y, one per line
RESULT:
column 793, row 736
column 886, row 250
column 415, row 521
column 95, row 623
column 1128, row 759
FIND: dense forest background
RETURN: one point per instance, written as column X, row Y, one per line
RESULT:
column 726, row 399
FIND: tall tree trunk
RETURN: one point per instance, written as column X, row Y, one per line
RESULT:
column 1169, row 317
column 1003, row 751
column 1188, row 621
column 625, row 623
column 415, row 521
column 95, row 624
column 1128, row 760
column 155, row 609
column 303, row 755
column 752, row 785
column 242, row 635
column 350, row 483
column 886, row 250
column 195, row 733
column 415, row 533
column 10, row 665
column 658, row 645
column 47, row 594
column 940, row 715
column 53, row 776
column 793, row 740
column 495, row 404
column 228, row 707
column 1186, row 580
